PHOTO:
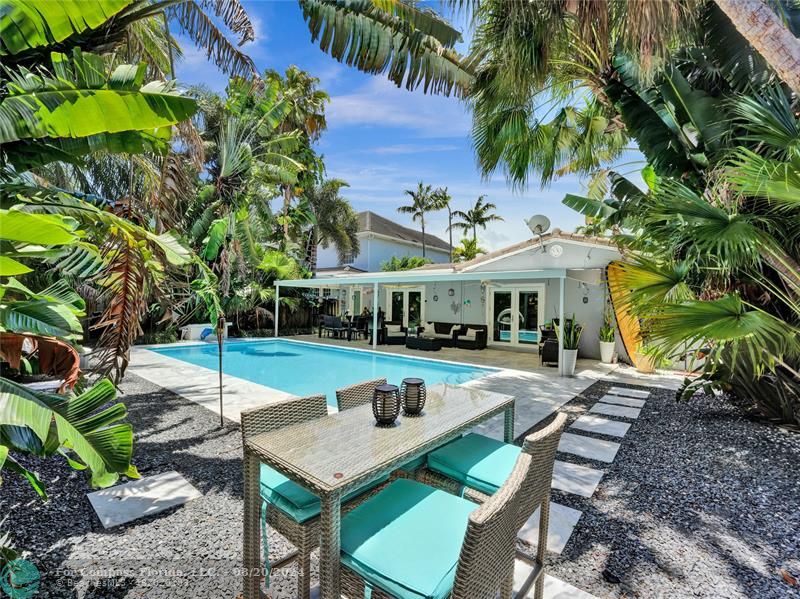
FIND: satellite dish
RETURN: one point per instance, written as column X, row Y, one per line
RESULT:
column 538, row 224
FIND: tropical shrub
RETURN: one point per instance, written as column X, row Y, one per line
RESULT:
column 468, row 249
column 404, row 263
column 570, row 332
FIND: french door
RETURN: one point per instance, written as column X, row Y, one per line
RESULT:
column 515, row 314
column 405, row 305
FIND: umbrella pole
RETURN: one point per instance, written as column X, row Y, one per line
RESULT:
column 220, row 333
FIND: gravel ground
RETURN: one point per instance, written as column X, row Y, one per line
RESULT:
column 699, row 502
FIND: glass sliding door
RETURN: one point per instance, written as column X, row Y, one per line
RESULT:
column 515, row 315
column 414, row 312
column 528, row 332
column 502, row 319
column 396, row 306
column 405, row 306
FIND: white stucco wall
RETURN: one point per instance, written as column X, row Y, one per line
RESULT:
column 374, row 251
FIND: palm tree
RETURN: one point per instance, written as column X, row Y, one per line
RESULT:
column 441, row 200
column 422, row 201
column 305, row 113
column 479, row 215
column 336, row 221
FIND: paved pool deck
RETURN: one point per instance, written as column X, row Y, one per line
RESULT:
column 539, row 390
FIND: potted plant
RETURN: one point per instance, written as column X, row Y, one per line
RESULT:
column 571, row 335
column 606, row 335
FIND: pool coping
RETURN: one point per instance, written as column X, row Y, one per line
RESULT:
column 201, row 384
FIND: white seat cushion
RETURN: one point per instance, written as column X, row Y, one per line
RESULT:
column 393, row 328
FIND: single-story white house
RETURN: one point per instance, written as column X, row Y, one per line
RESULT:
column 552, row 276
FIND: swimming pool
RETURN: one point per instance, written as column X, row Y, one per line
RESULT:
column 302, row 368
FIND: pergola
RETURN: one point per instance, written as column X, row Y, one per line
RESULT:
column 430, row 275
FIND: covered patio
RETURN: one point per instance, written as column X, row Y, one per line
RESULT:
column 510, row 297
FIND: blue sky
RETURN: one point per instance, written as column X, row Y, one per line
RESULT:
column 382, row 139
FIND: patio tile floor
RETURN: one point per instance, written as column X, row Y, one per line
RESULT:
column 554, row 588
column 575, row 479
column 562, row 522
column 624, row 391
column 588, row 447
column 603, row 426
column 608, row 409
column 623, row 401
column 144, row 497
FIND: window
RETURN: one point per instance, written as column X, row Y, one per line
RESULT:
column 348, row 258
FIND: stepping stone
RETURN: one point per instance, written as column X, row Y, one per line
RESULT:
column 562, row 522
column 602, row 426
column 612, row 410
column 588, row 447
column 623, row 401
column 629, row 392
column 575, row 479
column 144, row 497
column 554, row 588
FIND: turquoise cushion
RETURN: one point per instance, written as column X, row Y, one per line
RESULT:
column 407, row 539
column 293, row 499
column 475, row 461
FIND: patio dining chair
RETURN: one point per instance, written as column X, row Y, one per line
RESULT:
column 357, row 395
column 412, row 540
column 286, row 506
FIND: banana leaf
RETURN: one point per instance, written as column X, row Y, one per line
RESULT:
column 84, row 429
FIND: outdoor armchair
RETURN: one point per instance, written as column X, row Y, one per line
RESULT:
column 412, row 540
column 357, row 395
column 286, row 506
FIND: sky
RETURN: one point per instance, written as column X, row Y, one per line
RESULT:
column 383, row 140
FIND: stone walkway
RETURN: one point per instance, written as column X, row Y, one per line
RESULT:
column 624, row 406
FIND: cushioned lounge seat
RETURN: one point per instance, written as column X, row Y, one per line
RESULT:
column 475, row 461
column 406, row 540
column 294, row 500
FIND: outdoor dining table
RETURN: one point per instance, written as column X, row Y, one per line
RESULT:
column 333, row 455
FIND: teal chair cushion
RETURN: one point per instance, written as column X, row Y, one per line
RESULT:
column 476, row 462
column 406, row 540
column 294, row 500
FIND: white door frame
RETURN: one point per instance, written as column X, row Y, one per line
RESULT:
column 514, row 290
column 405, row 291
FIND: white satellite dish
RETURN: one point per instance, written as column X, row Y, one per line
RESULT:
column 538, row 224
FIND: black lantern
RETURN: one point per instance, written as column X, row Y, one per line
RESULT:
column 412, row 392
column 386, row 404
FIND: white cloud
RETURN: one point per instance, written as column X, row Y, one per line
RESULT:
column 381, row 103
column 421, row 148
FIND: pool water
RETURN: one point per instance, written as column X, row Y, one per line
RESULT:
column 524, row 336
column 307, row 369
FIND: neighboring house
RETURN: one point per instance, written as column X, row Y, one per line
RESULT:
column 380, row 239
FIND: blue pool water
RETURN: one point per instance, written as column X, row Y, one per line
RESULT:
column 307, row 369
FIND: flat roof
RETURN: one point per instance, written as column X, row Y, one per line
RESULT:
column 422, row 276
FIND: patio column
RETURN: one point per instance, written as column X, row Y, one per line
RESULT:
column 374, row 316
column 277, row 304
column 561, row 324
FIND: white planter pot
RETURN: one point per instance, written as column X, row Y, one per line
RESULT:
column 607, row 352
column 570, row 357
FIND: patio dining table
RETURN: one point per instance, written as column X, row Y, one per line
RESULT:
column 333, row 455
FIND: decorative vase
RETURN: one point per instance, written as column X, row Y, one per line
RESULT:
column 412, row 395
column 570, row 358
column 386, row 404
column 607, row 352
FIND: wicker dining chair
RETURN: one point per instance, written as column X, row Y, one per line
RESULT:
column 484, row 554
column 357, row 395
column 303, row 535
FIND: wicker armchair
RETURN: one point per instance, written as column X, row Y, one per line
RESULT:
column 485, row 561
column 303, row 535
column 357, row 395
